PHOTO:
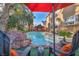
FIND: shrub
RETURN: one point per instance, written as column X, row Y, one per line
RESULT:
column 65, row 34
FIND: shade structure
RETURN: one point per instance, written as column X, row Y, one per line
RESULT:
column 46, row 7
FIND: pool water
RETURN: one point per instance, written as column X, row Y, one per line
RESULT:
column 37, row 38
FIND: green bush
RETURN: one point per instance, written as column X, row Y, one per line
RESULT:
column 21, row 28
column 65, row 34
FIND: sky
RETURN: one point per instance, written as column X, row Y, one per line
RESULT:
column 39, row 17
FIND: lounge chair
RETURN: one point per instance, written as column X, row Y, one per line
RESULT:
column 63, row 42
column 25, row 52
column 75, row 44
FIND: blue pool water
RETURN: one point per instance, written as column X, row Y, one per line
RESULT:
column 37, row 38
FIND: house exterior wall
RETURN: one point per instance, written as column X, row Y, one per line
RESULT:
column 73, row 18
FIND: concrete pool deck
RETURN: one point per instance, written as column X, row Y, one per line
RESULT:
column 57, row 37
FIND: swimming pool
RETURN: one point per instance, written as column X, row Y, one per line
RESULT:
column 37, row 38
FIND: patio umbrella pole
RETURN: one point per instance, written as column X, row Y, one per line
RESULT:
column 53, row 21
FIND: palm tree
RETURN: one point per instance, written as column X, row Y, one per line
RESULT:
column 60, row 23
column 30, row 21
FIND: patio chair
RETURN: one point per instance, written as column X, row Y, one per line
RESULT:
column 25, row 52
column 64, row 42
column 75, row 44
column 4, row 44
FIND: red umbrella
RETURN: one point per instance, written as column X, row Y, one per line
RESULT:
column 46, row 7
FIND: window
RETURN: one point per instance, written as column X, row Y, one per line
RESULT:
column 70, row 20
column 77, row 18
